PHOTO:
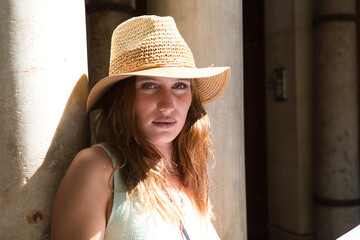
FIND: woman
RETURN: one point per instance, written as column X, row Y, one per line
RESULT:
column 147, row 179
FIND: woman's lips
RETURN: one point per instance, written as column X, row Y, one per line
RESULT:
column 164, row 122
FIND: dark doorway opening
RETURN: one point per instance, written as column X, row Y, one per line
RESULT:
column 255, row 119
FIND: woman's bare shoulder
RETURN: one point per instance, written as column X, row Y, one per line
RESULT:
column 80, row 204
column 93, row 158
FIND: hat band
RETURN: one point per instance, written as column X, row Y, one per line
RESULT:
column 153, row 65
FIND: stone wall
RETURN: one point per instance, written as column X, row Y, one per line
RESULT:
column 44, row 87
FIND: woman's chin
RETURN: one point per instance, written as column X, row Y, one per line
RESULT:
column 162, row 140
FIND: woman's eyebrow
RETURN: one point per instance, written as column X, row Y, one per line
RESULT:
column 146, row 80
column 160, row 80
column 181, row 80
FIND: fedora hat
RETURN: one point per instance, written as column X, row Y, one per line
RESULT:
column 152, row 46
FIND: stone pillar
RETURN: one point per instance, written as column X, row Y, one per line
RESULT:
column 337, row 154
column 289, row 133
column 43, row 67
column 213, row 30
column 102, row 18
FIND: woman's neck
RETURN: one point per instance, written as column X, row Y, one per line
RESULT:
column 166, row 152
column 171, row 173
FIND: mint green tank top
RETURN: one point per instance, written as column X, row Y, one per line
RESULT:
column 126, row 222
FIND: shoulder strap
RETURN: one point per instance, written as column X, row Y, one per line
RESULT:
column 107, row 150
column 186, row 235
column 118, row 183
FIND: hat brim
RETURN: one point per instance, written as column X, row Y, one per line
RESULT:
column 212, row 81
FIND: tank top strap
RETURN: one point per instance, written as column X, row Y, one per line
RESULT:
column 107, row 150
column 118, row 183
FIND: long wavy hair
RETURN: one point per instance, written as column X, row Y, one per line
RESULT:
column 142, row 166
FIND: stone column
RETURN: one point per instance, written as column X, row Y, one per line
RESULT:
column 213, row 30
column 102, row 18
column 336, row 151
column 43, row 67
column 289, row 133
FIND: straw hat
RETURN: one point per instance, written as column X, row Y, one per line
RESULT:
column 152, row 46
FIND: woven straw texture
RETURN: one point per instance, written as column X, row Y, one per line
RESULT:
column 147, row 42
column 152, row 46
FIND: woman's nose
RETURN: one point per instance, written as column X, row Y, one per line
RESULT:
column 165, row 102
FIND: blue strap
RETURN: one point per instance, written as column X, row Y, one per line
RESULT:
column 185, row 232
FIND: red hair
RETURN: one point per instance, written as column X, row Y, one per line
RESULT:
column 141, row 164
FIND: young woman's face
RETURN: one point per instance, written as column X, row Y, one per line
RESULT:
column 161, row 107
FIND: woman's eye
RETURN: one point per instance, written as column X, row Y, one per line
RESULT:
column 181, row 85
column 148, row 85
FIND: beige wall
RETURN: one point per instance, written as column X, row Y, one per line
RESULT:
column 213, row 30
column 288, row 43
column 42, row 112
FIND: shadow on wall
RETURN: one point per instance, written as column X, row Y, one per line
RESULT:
column 27, row 206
